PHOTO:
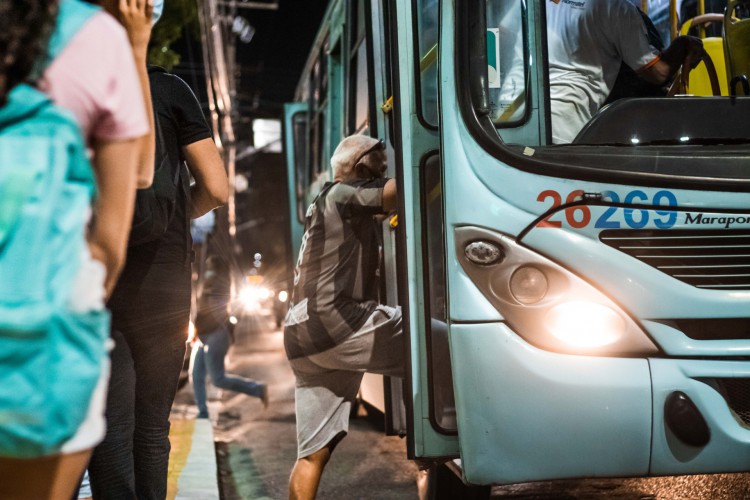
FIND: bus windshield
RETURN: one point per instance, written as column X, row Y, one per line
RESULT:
column 608, row 88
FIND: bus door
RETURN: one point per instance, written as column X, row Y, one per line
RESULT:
column 369, row 85
column 432, row 435
column 435, row 302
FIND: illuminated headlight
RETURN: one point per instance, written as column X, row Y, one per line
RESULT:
column 585, row 324
column 283, row 296
column 546, row 304
column 252, row 295
column 528, row 285
column 233, row 320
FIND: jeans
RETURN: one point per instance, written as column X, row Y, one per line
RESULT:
column 149, row 329
column 211, row 357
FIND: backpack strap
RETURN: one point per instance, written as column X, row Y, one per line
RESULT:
column 71, row 17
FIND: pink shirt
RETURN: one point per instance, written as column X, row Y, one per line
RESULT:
column 95, row 77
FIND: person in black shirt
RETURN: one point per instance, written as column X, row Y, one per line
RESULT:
column 151, row 309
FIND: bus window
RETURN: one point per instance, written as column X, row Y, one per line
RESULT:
column 427, row 28
column 568, row 104
column 506, row 62
column 299, row 131
column 443, row 411
column 318, row 100
column 358, row 78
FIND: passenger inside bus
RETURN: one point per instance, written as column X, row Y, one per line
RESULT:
column 587, row 42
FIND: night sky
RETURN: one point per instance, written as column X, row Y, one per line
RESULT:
column 271, row 64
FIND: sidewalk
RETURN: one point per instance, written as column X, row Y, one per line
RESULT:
column 192, row 460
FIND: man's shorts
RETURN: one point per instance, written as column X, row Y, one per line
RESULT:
column 328, row 382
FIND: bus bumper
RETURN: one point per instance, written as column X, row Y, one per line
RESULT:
column 526, row 414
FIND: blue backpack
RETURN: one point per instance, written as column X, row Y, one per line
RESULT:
column 50, row 356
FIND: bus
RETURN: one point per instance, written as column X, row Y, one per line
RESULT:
column 597, row 292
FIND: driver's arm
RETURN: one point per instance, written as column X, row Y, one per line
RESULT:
column 664, row 66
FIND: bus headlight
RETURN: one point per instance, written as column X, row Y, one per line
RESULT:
column 528, row 285
column 585, row 324
column 549, row 306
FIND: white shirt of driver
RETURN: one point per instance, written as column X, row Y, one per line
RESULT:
column 587, row 42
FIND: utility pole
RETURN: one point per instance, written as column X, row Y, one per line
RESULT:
column 218, row 44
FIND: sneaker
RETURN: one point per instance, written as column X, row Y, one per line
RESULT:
column 203, row 415
column 264, row 396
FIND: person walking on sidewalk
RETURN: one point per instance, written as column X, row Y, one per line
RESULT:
column 213, row 330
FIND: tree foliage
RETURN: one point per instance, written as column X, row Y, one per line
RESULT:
column 180, row 18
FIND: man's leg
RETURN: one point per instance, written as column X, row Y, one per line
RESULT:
column 307, row 471
column 323, row 399
column 306, row 474
column 216, row 350
column 111, row 465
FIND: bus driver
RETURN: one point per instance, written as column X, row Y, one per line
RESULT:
column 587, row 42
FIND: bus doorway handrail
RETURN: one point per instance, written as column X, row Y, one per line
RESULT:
column 425, row 62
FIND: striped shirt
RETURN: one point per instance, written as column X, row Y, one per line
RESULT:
column 335, row 280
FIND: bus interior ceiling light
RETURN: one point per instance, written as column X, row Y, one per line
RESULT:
column 528, row 285
column 585, row 324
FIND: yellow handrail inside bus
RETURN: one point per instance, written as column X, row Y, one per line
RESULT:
column 427, row 60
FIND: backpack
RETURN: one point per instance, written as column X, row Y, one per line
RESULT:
column 51, row 356
column 155, row 206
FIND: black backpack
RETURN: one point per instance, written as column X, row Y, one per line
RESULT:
column 155, row 205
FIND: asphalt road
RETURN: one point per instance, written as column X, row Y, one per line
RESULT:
column 256, row 448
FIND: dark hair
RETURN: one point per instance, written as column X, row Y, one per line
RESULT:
column 25, row 27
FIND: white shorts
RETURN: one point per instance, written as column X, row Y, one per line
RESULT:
column 327, row 383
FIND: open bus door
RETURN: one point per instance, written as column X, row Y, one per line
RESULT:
column 430, row 409
column 425, row 260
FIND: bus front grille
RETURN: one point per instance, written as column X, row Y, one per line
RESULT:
column 736, row 391
column 713, row 259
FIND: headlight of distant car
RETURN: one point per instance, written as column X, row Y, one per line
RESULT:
column 545, row 303
column 253, row 296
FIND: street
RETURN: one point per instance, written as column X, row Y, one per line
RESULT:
column 256, row 448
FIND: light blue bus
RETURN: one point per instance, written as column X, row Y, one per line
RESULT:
column 597, row 293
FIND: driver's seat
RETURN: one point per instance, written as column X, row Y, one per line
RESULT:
column 737, row 45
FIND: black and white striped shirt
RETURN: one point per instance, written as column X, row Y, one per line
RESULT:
column 335, row 280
